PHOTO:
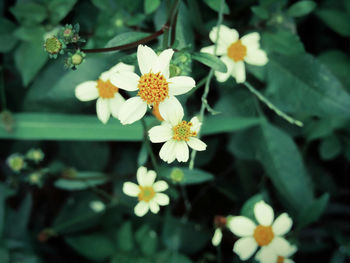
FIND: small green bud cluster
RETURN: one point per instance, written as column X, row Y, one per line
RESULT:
column 74, row 60
column 181, row 64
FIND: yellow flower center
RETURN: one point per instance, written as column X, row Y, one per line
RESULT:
column 153, row 88
column 237, row 51
column 263, row 235
column 146, row 193
column 106, row 89
column 182, row 131
column 280, row 259
column 156, row 113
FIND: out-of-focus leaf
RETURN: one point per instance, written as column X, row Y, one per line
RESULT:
column 29, row 12
column 338, row 257
column 215, row 5
column 330, row 147
column 8, row 41
column 151, row 5
column 4, row 193
column 82, row 180
column 300, row 84
column 283, row 42
column 337, row 20
column 248, row 207
column 30, row 57
column 210, row 60
column 184, row 28
column 143, row 155
column 171, row 257
column 324, row 127
column 4, row 254
column 126, row 38
column 69, row 127
column 301, row 8
column 30, row 33
column 125, row 239
column 260, row 12
column 59, row 9
column 313, row 211
column 187, row 176
column 95, row 246
column 147, row 240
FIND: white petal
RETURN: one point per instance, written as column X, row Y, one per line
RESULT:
column 122, row 67
column 280, row 246
column 149, row 179
column 256, row 57
column 222, row 77
column 239, row 71
column 196, row 144
column 162, row 199
column 182, row 152
column 251, row 40
column 86, row 91
column 220, row 50
column 241, row 226
column 292, row 249
column 115, row 104
column 196, row 124
column 171, row 110
column 162, row 62
column 102, row 109
column 216, row 240
column 141, row 208
column 160, row 133
column 167, row 152
column 154, row 207
column 245, row 247
column 105, row 76
column 131, row 189
column 160, row 186
column 266, row 255
column 146, row 58
column 125, row 80
column 226, row 35
column 141, row 174
column 132, row 110
column 180, row 85
column 263, row 213
column 282, row 224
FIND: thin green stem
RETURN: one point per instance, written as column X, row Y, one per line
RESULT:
column 205, row 104
column 269, row 104
column 148, row 146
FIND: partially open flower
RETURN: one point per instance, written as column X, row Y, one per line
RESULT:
column 54, row 46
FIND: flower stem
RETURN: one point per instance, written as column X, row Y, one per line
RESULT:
column 148, row 146
column 205, row 104
column 269, row 104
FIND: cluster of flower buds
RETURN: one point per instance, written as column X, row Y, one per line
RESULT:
column 66, row 41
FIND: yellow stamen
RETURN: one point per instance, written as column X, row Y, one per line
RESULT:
column 106, row 89
column 146, row 193
column 263, row 235
column 153, row 88
column 237, row 51
column 182, row 131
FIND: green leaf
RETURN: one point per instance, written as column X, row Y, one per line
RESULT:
column 330, row 147
column 82, row 180
column 260, row 12
column 95, row 246
column 283, row 42
column 337, row 20
column 8, row 41
column 151, row 5
column 218, row 124
column 210, row 60
column 194, row 176
column 59, row 9
column 215, row 5
column 312, row 212
column 4, row 255
column 125, row 239
column 30, row 57
column 324, row 127
column 248, row 207
column 126, row 38
column 29, row 12
column 4, row 193
column 29, row 33
column 300, row 84
column 171, row 257
column 282, row 162
column 44, row 126
column 147, row 240
column 301, row 8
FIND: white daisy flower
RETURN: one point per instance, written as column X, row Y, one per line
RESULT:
column 154, row 85
column 177, row 134
column 268, row 255
column 267, row 233
column 234, row 52
column 108, row 98
column 220, row 223
column 148, row 192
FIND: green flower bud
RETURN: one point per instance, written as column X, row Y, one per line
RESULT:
column 35, row 155
column 53, row 45
column 177, row 175
column 16, row 162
